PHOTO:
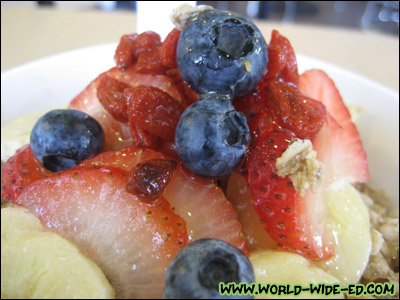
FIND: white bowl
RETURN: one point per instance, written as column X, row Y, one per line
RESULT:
column 53, row 81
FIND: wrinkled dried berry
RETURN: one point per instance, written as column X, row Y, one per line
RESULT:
column 148, row 179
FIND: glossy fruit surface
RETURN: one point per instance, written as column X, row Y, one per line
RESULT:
column 131, row 241
column 19, row 171
column 221, row 52
column 200, row 201
column 198, row 269
column 211, row 137
column 62, row 138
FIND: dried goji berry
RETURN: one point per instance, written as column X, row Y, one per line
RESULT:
column 153, row 114
column 124, row 55
column 110, row 93
column 168, row 48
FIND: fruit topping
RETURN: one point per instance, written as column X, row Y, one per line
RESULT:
column 197, row 270
column 200, row 201
column 148, row 179
column 279, row 206
column 292, row 110
column 37, row 264
column 189, row 96
column 221, row 52
column 110, row 93
column 350, row 157
column 18, row 172
column 124, row 54
column 241, row 197
column 131, row 241
column 211, row 137
column 168, row 49
column 153, row 116
column 62, row 138
column 282, row 63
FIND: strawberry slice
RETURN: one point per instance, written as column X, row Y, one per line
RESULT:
column 204, row 207
column 288, row 218
column 200, row 202
column 20, row 171
column 299, row 222
column 131, row 241
column 352, row 164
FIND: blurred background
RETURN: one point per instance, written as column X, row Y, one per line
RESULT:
column 382, row 16
column 360, row 36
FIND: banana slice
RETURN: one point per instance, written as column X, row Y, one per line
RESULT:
column 351, row 227
column 282, row 267
column 38, row 264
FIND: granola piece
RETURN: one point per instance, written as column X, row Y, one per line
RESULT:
column 181, row 15
column 300, row 163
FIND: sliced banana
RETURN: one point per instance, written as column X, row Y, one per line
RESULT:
column 351, row 227
column 280, row 267
column 37, row 264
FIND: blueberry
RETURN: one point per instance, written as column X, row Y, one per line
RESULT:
column 221, row 52
column 211, row 137
column 196, row 271
column 62, row 138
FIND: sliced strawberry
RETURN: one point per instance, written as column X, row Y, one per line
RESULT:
column 131, row 241
column 168, row 48
column 204, row 207
column 298, row 222
column 239, row 194
column 19, row 171
column 351, row 159
column 277, row 203
column 200, row 202
column 285, row 214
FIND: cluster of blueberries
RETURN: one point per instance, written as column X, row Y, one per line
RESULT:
column 221, row 56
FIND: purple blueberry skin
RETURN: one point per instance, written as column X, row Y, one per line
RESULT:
column 62, row 138
column 196, row 271
column 211, row 137
column 223, row 53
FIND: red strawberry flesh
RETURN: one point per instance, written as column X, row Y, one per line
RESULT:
column 19, row 171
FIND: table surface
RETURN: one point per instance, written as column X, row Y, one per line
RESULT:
column 31, row 33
